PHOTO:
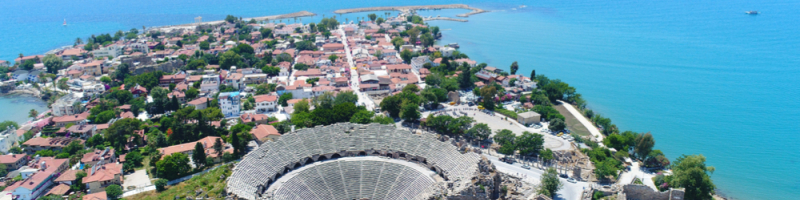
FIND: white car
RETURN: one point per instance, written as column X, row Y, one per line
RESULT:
column 571, row 180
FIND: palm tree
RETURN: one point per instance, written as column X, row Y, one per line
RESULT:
column 33, row 113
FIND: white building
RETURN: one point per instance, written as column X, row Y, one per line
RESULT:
column 64, row 105
column 111, row 50
column 229, row 104
column 447, row 51
column 419, row 61
column 210, row 83
column 7, row 139
column 266, row 103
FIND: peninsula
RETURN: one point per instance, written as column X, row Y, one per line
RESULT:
column 375, row 108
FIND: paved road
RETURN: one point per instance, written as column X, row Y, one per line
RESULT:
column 637, row 172
column 496, row 122
column 363, row 99
column 570, row 191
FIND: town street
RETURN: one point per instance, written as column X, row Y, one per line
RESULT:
column 363, row 99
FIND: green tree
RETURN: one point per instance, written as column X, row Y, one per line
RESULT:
column 550, row 184
column 113, row 191
column 120, row 131
column 173, row 166
column 514, row 67
column 691, row 173
column 230, row 18
column 504, row 137
column 380, row 21
column 382, row 119
column 204, row 45
column 427, row 40
column 465, row 79
column 480, row 132
column 557, row 125
column 27, row 65
column 372, row 16
column 62, row 84
column 410, row 112
column 333, row 58
column 53, row 63
column 391, row 104
column 529, row 143
column 218, row 147
column 546, row 155
column 199, row 155
column 228, row 59
column 362, row 117
column 644, row 144
column 73, row 147
column 192, row 93
column 134, row 158
column 3, row 170
column 487, row 94
column 284, row 98
column 406, row 55
column 397, row 42
column 33, row 113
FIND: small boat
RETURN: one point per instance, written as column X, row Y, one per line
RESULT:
column 752, row 12
column 65, row 22
column 523, row 6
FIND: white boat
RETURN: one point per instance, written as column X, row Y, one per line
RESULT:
column 523, row 6
column 65, row 22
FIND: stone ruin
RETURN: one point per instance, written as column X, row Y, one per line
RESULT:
column 632, row 191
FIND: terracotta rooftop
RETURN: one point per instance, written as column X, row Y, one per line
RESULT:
column 69, row 175
column 96, row 196
column 50, row 142
column 105, row 172
column 263, row 130
column 9, row 159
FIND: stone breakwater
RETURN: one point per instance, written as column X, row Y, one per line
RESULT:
column 271, row 17
column 401, row 8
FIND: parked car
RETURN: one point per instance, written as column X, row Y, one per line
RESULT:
column 526, row 167
column 563, row 175
column 571, row 180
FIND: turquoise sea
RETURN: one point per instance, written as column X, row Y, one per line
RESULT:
column 701, row 75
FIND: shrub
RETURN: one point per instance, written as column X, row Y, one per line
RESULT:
column 161, row 184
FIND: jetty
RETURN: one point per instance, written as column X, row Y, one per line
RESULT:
column 444, row 18
column 271, row 17
column 428, row 7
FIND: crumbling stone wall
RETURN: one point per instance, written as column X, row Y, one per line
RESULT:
column 168, row 67
column 641, row 192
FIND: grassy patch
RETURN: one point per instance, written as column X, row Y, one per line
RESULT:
column 211, row 183
column 507, row 113
column 572, row 123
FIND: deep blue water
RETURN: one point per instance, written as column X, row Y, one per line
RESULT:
column 701, row 75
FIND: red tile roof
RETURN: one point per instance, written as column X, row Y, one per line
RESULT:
column 9, row 159
column 266, row 97
column 96, row 196
column 263, row 130
column 106, row 172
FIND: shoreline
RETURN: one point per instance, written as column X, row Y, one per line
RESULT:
column 270, row 17
column 401, row 8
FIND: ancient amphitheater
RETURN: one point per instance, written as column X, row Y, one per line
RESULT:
column 353, row 161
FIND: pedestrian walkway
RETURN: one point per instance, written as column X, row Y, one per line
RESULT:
column 588, row 124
